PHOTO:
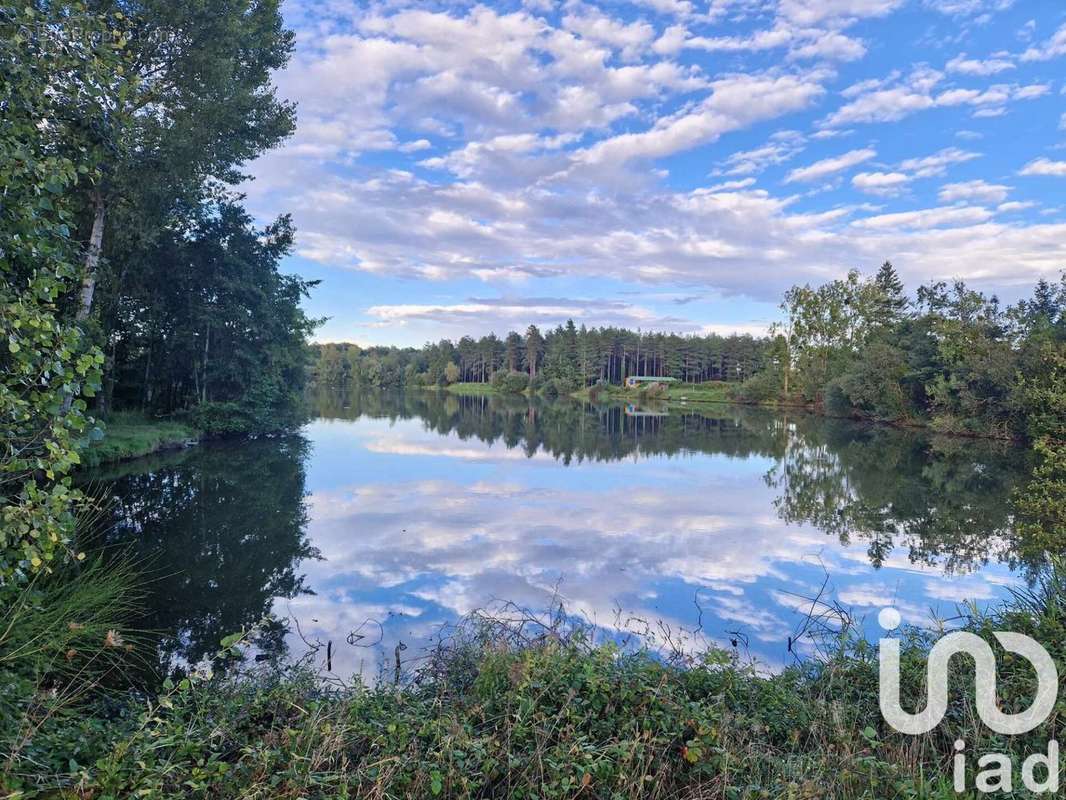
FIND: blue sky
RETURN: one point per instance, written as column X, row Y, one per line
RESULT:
column 663, row 164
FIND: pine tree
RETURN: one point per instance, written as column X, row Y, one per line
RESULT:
column 893, row 300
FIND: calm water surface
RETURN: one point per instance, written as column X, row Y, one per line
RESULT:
column 390, row 515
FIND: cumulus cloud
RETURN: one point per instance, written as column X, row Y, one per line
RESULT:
column 963, row 8
column 885, row 183
column 970, row 66
column 505, row 313
column 1044, row 166
column 812, row 12
column 752, row 162
column 512, row 147
column 830, row 166
column 937, row 163
column 734, row 103
column 978, row 190
column 926, row 218
column 1052, row 48
column 881, row 101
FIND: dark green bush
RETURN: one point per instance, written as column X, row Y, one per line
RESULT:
column 510, row 382
column 763, row 387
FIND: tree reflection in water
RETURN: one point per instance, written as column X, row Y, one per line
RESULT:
column 220, row 531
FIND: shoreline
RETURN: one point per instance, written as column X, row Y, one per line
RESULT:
column 129, row 436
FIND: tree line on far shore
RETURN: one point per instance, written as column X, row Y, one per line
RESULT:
column 949, row 356
column 567, row 357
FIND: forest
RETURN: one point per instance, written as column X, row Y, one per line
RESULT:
column 949, row 356
column 568, row 355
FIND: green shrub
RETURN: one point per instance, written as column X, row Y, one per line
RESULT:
column 763, row 387
column 267, row 409
column 510, row 382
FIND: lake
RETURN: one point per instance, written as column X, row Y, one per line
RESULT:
column 389, row 515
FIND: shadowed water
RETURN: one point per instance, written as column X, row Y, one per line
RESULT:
column 389, row 515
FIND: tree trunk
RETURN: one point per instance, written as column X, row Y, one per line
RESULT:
column 88, row 282
column 92, row 258
column 207, row 344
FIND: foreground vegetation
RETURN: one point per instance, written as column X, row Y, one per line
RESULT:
column 519, row 706
column 508, row 704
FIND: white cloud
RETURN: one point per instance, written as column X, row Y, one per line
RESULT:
column 629, row 39
column 503, row 313
column 1007, row 208
column 977, row 190
column 937, row 164
column 883, row 183
column 1044, row 166
column 730, row 186
column 968, row 66
column 748, row 162
column 1052, row 48
column 829, row 166
column 739, row 328
column 883, row 105
column 518, row 145
column 968, row 7
column 415, row 146
column 812, row 12
column 926, row 218
column 800, row 43
column 879, row 101
column 734, row 103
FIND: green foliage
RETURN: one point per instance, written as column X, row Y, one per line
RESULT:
column 953, row 359
column 1041, row 504
column 495, row 714
column 1040, row 392
column 63, row 641
column 510, row 382
column 873, row 386
column 574, row 357
column 764, row 387
column 214, row 322
column 46, row 365
column 131, row 435
column 342, row 364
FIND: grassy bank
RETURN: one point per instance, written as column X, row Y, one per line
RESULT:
column 129, row 435
column 470, row 388
column 537, row 709
column 710, row 392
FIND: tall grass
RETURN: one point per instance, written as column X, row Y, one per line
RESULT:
column 506, row 707
column 63, row 639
